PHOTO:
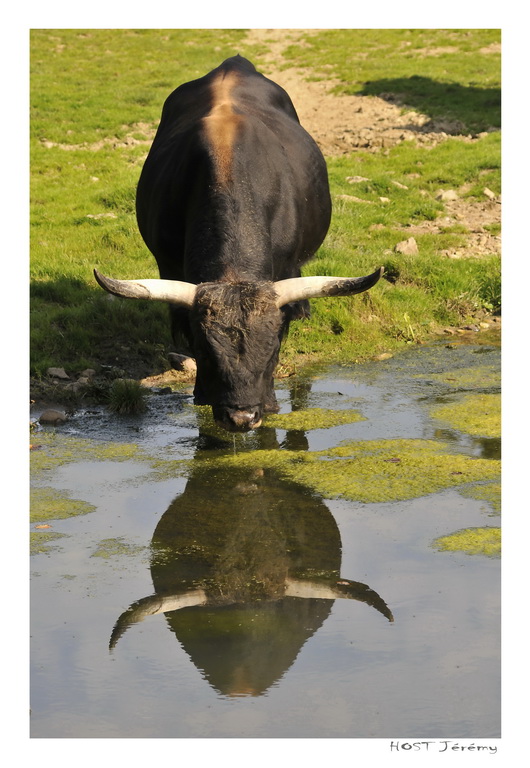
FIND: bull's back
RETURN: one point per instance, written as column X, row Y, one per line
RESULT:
column 231, row 139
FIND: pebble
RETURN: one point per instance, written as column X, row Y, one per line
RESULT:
column 182, row 362
column 354, row 199
column 407, row 247
column 57, row 373
column 383, row 356
column 51, row 416
column 446, row 194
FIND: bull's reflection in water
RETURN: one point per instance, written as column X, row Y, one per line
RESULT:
column 245, row 567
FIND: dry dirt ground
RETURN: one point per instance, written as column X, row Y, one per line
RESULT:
column 341, row 124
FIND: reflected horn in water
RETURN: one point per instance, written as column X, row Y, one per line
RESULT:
column 156, row 604
column 153, row 605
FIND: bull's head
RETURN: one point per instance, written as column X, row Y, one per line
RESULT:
column 236, row 334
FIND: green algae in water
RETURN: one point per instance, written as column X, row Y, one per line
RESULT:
column 477, row 415
column 110, row 548
column 56, row 450
column 373, row 470
column 470, row 378
column 490, row 493
column 391, row 470
column 313, row 418
column 50, row 504
column 472, row 541
column 40, row 542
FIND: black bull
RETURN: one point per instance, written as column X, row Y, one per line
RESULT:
column 232, row 200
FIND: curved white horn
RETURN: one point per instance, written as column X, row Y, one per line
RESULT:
column 153, row 605
column 297, row 288
column 343, row 588
column 173, row 291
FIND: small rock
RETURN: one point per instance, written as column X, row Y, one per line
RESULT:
column 407, row 247
column 399, row 185
column 354, row 199
column 57, row 373
column 383, row 356
column 51, row 416
column 384, row 199
column 484, row 325
column 182, row 362
column 88, row 373
column 489, row 194
column 446, row 194
column 356, row 179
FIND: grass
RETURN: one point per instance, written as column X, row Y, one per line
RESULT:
column 96, row 97
column 127, row 397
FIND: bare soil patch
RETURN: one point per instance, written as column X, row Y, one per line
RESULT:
column 341, row 124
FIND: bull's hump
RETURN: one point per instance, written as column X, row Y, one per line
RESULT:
column 221, row 124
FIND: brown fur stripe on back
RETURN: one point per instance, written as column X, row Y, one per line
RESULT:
column 221, row 125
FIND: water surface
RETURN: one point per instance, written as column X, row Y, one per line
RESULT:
column 240, row 602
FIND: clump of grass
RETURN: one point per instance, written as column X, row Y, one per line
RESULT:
column 127, row 397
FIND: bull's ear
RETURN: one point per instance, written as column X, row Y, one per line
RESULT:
column 298, row 288
column 172, row 291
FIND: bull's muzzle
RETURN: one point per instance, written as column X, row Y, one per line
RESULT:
column 238, row 419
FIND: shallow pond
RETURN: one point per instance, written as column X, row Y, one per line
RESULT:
column 334, row 574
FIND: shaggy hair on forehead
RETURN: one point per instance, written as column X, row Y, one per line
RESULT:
column 233, row 303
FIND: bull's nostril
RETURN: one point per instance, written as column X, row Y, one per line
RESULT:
column 244, row 419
